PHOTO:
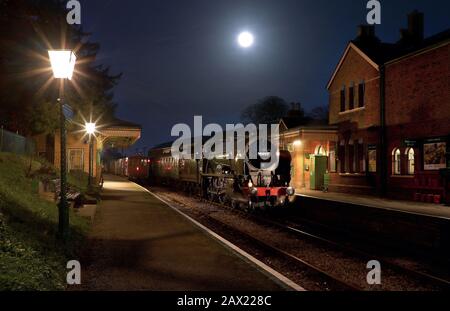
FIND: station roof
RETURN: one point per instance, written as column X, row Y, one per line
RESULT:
column 121, row 133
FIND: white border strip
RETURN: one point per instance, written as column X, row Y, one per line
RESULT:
column 278, row 276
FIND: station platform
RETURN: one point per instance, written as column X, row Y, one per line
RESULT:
column 419, row 227
column 140, row 243
column 425, row 209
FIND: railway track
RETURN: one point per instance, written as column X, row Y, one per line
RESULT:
column 428, row 277
column 299, row 231
column 325, row 277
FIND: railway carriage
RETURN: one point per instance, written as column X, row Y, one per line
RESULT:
column 138, row 168
column 237, row 182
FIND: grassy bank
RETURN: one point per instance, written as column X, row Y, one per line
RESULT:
column 31, row 258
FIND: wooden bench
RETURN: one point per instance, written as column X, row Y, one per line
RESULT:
column 72, row 195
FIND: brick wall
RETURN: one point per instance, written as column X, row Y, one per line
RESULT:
column 418, row 91
column 355, row 68
column 76, row 142
column 417, row 107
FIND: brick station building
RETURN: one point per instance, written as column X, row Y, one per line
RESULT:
column 390, row 111
column 116, row 134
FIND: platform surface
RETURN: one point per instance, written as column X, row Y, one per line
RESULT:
column 139, row 243
column 419, row 208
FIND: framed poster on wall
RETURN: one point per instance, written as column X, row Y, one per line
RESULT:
column 434, row 154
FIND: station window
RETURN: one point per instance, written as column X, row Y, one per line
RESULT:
column 411, row 161
column 342, row 157
column 343, row 99
column 361, row 94
column 290, row 147
column 351, row 97
column 396, row 162
column 372, row 160
column 332, row 160
column 320, row 150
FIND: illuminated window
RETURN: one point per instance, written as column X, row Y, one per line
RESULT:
column 372, row 159
column 396, row 162
column 320, row 150
column 411, row 159
column 332, row 159
column 290, row 147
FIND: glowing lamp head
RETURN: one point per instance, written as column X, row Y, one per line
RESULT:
column 63, row 63
column 297, row 143
column 246, row 39
column 90, row 128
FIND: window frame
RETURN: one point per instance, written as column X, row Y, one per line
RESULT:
column 351, row 96
column 396, row 162
column 411, row 162
column 372, row 167
column 361, row 94
column 69, row 162
column 343, row 100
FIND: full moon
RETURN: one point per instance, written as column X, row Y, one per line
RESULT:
column 245, row 39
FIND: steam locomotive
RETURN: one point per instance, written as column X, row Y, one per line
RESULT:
column 236, row 182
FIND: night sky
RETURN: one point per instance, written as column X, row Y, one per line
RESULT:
column 180, row 58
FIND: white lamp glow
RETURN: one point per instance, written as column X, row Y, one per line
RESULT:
column 63, row 63
column 90, row 128
column 246, row 39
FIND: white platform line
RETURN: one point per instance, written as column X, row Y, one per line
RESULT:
column 265, row 268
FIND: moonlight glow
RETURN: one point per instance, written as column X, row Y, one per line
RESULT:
column 246, row 39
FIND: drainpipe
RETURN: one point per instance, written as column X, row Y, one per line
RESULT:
column 383, row 138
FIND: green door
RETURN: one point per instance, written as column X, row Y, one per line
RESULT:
column 319, row 165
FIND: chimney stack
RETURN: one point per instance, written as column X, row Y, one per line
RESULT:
column 415, row 32
column 366, row 31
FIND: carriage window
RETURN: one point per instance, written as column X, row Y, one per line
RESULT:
column 411, row 158
column 396, row 162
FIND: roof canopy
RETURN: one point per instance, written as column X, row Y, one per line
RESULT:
column 120, row 134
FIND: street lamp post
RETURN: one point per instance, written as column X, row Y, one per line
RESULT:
column 90, row 130
column 63, row 65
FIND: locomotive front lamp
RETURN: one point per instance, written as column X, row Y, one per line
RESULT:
column 290, row 191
